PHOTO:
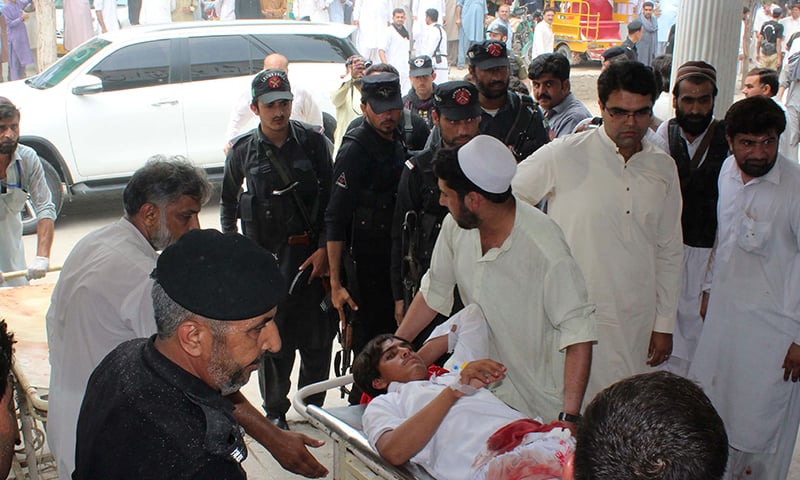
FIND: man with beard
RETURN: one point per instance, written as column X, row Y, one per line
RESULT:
column 418, row 215
column 155, row 407
column 359, row 216
column 489, row 246
column 100, row 299
column 287, row 166
column 549, row 74
column 21, row 174
column 513, row 119
column 749, row 348
column 697, row 144
column 617, row 198
column 395, row 47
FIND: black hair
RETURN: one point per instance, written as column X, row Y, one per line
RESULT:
column 446, row 168
column 655, row 426
column 633, row 77
column 398, row 10
column 365, row 365
column 163, row 181
column 755, row 115
column 662, row 67
column 766, row 76
column 548, row 9
column 433, row 14
column 381, row 68
column 553, row 63
column 8, row 110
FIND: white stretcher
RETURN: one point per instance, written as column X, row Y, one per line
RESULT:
column 353, row 457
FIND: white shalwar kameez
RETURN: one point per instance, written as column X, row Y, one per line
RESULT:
column 461, row 439
column 315, row 10
column 435, row 35
column 24, row 174
column 102, row 299
column 530, row 290
column 753, row 317
column 396, row 49
column 109, row 9
column 622, row 222
column 543, row 39
column 420, row 7
column 373, row 16
column 695, row 264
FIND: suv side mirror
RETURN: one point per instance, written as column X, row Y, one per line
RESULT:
column 87, row 85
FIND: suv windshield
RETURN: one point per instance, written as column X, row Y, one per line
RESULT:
column 67, row 64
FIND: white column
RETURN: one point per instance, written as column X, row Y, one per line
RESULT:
column 709, row 30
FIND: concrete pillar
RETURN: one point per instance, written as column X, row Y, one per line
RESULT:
column 710, row 30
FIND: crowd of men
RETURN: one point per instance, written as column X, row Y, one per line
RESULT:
column 592, row 249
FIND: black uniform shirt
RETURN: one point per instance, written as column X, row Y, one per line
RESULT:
column 500, row 125
column 370, row 163
column 422, row 108
column 305, row 152
column 144, row 417
column 418, row 191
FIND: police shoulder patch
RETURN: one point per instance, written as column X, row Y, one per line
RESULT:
column 342, row 181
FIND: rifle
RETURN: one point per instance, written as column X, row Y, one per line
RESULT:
column 343, row 359
column 409, row 264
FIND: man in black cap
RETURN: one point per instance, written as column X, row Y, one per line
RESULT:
column 634, row 35
column 513, row 119
column 155, row 407
column 617, row 54
column 418, row 215
column 287, row 167
column 359, row 214
column 419, row 98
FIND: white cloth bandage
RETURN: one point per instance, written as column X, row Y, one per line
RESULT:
column 462, row 387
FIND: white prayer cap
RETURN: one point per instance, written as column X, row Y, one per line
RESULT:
column 487, row 163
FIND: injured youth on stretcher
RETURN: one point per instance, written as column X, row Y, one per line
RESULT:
column 476, row 435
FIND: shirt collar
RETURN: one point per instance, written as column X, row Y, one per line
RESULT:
column 292, row 135
column 773, row 176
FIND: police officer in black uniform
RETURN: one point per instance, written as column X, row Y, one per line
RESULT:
column 359, row 215
column 414, row 129
column 287, row 167
column 513, row 119
column 420, row 98
column 418, row 214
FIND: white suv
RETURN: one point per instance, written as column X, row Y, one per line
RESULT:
column 102, row 110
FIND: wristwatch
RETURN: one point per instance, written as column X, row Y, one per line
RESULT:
column 568, row 417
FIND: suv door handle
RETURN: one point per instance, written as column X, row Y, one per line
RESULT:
column 165, row 102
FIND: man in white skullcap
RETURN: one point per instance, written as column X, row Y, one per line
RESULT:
column 512, row 261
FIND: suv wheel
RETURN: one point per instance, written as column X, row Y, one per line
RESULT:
column 56, row 187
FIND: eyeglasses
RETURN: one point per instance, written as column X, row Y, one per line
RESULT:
column 622, row 114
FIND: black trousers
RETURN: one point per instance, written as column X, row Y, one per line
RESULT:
column 303, row 327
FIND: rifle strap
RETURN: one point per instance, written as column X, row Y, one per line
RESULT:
column 287, row 179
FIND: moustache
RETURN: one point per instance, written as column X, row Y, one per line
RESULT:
column 544, row 96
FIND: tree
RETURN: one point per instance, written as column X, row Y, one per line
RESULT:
column 46, row 35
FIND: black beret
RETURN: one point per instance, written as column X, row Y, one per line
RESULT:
column 221, row 276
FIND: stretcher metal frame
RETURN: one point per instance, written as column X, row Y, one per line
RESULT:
column 353, row 457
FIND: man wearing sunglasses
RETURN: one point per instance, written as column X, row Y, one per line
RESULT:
column 21, row 174
column 618, row 200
